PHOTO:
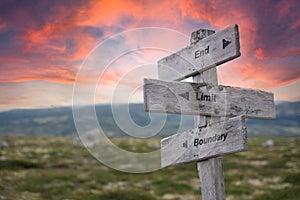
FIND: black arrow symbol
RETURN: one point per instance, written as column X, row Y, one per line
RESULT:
column 226, row 43
column 185, row 144
column 185, row 95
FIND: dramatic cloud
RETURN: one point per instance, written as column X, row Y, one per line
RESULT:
column 48, row 40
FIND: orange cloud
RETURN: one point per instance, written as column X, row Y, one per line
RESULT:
column 51, row 46
column 2, row 26
column 259, row 74
column 61, row 79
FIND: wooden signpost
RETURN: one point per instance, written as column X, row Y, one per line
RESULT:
column 201, row 56
column 197, row 144
column 208, row 101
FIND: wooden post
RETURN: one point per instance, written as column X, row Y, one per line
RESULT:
column 202, row 56
column 210, row 171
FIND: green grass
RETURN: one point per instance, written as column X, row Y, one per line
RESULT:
column 126, row 195
column 292, row 193
column 42, row 168
column 165, row 186
column 293, row 178
column 18, row 164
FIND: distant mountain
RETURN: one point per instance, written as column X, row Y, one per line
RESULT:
column 59, row 121
column 50, row 121
column 287, row 122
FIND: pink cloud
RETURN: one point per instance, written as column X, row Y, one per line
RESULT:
column 51, row 46
column 52, row 39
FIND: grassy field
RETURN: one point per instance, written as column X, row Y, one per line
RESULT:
column 54, row 168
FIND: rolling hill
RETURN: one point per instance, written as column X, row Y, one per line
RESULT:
column 59, row 121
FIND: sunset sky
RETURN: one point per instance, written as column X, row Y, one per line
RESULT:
column 43, row 45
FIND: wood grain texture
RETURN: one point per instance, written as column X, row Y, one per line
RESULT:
column 198, row 98
column 212, row 179
column 210, row 171
column 221, row 138
column 203, row 55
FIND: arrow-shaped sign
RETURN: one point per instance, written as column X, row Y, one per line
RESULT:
column 225, row 137
column 185, row 95
column 225, row 43
column 197, row 98
column 209, row 52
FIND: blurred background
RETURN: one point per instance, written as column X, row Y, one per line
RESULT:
column 45, row 45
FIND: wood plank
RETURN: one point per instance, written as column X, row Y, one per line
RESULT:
column 217, row 139
column 205, row 54
column 212, row 179
column 210, row 171
column 198, row 98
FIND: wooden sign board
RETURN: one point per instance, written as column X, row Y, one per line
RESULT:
column 205, row 54
column 221, row 138
column 198, row 98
